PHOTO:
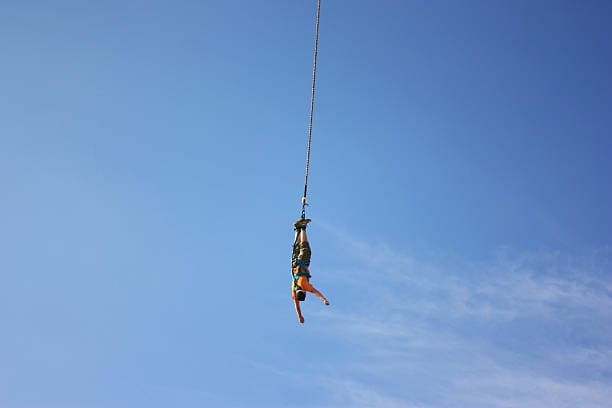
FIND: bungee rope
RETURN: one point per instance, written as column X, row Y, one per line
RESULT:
column 298, row 267
column 312, row 100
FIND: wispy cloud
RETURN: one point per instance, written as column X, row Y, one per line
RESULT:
column 354, row 394
column 510, row 285
column 503, row 388
column 519, row 330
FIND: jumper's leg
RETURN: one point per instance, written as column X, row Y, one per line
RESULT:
column 303, row 237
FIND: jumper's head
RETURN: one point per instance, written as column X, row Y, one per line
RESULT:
column 300, row 295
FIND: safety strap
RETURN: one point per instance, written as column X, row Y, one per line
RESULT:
column 297, row 275
column 302, row 271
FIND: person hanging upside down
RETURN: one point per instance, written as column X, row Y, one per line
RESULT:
column 300, row 268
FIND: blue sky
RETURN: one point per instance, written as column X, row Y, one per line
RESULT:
column 151, row 164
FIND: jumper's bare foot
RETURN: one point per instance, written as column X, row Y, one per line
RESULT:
column 301, row 319
column 326, row 302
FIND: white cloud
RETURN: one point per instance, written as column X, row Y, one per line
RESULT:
column 503, row 388
column 509, row 286
column 351, row 394
column 520, row 330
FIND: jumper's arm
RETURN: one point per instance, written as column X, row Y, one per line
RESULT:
column 297, row 307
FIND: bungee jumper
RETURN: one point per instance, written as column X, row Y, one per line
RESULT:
column 300, row 268
column 300, row 258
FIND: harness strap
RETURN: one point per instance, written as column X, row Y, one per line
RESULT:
column 299, row 274
column 302, row 271
column 301, row 263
